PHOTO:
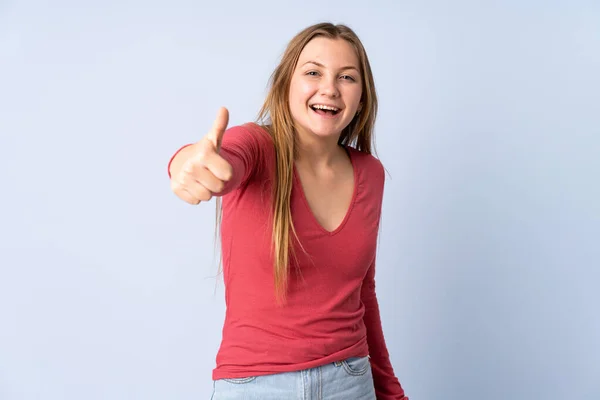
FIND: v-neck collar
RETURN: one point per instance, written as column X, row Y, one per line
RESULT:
column 300, row 188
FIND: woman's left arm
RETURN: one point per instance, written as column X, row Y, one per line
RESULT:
column 387, row 385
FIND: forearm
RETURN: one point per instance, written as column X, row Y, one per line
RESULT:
column 387, row 385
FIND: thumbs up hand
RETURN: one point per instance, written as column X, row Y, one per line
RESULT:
column 205, row 172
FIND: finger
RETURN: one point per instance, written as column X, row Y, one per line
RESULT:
column 187, row 197
column 218, row 166
column 198, row 191
column 209, row 181
column 219, row 126
column 207, row 158
column 199, row 181
column 181, row 192
column 192, row 190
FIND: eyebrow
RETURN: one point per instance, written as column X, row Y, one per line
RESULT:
column 322, row 66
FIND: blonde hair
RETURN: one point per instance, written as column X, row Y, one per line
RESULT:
column 275, row 116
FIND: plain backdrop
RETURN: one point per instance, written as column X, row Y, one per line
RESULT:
column 489, row 127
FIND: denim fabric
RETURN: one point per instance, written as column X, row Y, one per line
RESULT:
column 349, row 379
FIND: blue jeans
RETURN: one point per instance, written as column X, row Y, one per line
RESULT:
column 350, row 379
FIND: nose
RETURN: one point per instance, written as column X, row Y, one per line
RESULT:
column 329, row 87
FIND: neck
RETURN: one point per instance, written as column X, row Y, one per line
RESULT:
column 317, row 151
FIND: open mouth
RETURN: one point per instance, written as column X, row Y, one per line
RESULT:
column 325, row 110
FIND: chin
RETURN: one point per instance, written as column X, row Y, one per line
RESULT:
column 321, row 127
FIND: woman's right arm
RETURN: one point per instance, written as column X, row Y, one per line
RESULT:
column 218, row 163
column 197, row 171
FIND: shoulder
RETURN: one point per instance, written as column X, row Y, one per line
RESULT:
column 248, row 131
column 249, row 148
column 250, row 141
column 369, row 167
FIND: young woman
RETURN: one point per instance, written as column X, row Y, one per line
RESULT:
column 301, row 201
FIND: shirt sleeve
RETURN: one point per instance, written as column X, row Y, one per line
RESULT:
column 387, row 385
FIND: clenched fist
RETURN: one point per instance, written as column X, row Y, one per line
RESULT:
column 203, row 172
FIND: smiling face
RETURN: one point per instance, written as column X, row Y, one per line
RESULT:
column 325, row 88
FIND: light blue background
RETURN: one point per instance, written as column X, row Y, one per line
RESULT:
column 490, row 245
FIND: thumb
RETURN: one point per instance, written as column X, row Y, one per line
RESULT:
column 215, row 136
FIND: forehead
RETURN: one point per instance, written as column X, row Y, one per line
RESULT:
column 332, row 53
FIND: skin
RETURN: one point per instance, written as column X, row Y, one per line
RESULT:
column 198, row 171
column 322, row 76
column 327, row 73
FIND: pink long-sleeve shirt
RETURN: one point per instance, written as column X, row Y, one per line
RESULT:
column 331, row 311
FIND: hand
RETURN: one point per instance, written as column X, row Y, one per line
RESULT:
column 205, row 172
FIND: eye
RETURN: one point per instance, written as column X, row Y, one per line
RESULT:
column 348, row 77
column 312, row 73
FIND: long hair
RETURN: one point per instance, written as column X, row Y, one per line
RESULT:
column 276, row 118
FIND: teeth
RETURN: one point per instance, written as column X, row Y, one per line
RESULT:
column 322, row 107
